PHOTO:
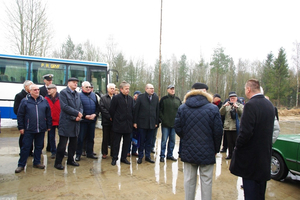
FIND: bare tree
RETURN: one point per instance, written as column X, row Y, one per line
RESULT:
column 28, row 27
column 296, row 59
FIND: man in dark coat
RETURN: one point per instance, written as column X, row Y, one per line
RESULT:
column 34, row 118
column 199, row 126
column 251, row 158
column 146, row 119
column 106, row 120
column 121, row 112
column 17, row 101
column 69, row 123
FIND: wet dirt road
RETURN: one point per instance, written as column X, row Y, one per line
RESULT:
column 98, row 179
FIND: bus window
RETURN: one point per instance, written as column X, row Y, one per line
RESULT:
column 13, row 71
column 39, row 69
column 78, row 72
column 98, row 79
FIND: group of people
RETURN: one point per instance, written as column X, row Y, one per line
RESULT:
column 197, row 121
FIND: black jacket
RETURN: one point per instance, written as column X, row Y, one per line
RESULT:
column 104, row 108
column 251, row 158
column 121, row 113
column 43, row 91
column 18, row 99
column 146, row 112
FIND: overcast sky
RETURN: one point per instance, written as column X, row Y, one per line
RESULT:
column 247, row 30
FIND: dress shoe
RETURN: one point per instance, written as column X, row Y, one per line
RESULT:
column 83, row 153
column 171, row 158
column 59, row 166
column 125, row 161
column 162, row 159
column 73, row 163
column 140, row 160
column 104, row 156
column 135, row 154
column 113, row 162
column 19, row 169
column 53, row 156
column 40, row 166
column 77, row 158
column 228, row 158
column 148, row 159
column 223, row 151
column 92, row 157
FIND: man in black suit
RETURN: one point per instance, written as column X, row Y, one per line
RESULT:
column 121, row 113
column 17, row 101
column 146, row 119
column 251, row 158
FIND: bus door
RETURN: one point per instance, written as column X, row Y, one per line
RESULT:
column 98, row 78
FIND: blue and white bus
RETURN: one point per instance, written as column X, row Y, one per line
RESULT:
column 14, row 70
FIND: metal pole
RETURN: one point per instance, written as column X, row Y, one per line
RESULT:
column 159, row 72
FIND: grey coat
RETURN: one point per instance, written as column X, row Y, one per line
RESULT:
column 70, row 105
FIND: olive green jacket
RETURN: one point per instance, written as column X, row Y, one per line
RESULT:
column 230, row 124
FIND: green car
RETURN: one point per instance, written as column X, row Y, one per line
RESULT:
column 285, row 156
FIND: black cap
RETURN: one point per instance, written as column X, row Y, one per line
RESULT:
column 48, row 77
column 217, row 95
column 73, row 79
column 232, row 94
column 200, row 86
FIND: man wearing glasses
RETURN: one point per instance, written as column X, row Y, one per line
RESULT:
column 34, row 118
column 87, row 125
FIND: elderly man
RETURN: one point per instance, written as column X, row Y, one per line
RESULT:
column 232, row 110
column 34, row 118
column 17, row 101
column 168, row 107
column 251, row 158
column 199, row 126
column 69, row 123
column 53, row 100
column 146, row 119
column 106, row 120
column 87, row 125
column 121, row 112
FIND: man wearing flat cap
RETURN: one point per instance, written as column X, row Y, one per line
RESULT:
column 168, row 107
column 69, row 123
column 199, row 126
column 232, row 110
column 43, row 91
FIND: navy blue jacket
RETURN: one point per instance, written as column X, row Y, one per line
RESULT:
column 34, row 116
column 90, row 105
column 198, row 124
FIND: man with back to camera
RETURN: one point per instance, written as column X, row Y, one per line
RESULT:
column 232, row 110
column 44, row 91
column 34, row 118
column 168, row 107
column 69, row 123
column 88, row 123
column 53, row 99
column 251, row 158
column 199, row 126
column 121, row 112
column 17, row 101
column 146, row 119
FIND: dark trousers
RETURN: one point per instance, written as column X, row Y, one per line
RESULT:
column 231, row 138
column 28, row 139
column 52, row 141
column 146, row 137
column 132, row 147
column 61, row 148
column 107, row 139
column 125, row 145
column 21, row 143
column 86, row 129
column 225, row 145
column 254, row 190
